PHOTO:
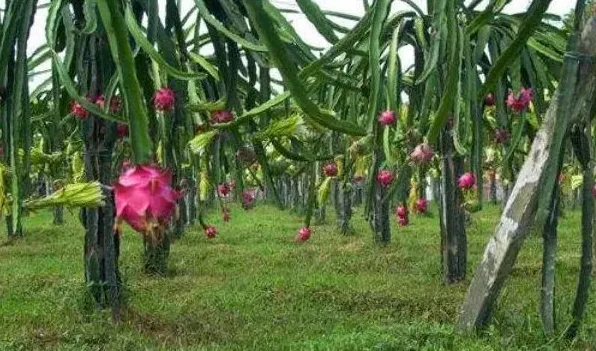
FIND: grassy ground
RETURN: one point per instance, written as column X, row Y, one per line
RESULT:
column 253, row 288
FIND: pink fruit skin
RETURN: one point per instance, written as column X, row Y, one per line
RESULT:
column 144, row 197
column 121, row 130
column 489, row 99
column 466, row 181
column 303, row 234
column 210, row 232
column 422, row 205
column 330, row 170
column 115, row 104
column 401, row 212
column 223, row 189
column 422, row 153
column 402, row 221
column 384, row 177
column 386, row 118
column 79, row 111
column 520, row 103
column 164, row 99
column 222, row 116
column 248, row 199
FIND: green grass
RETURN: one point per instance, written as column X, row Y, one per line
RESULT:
column 254, row 288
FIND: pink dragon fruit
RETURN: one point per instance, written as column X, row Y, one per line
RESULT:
column 145, row 198
column 489, row 100
column 422, row 153
column 100, row 101
column 303, row 234
column 522, row 102
column 422, row 205
column 330, row 169
column 401, row 211
column 115, row 104
column 210, row 232
column 222, row 116
column 164, row 99
column 248, row 200
column 223, row 189
column 78, row 111
column 121, row 130
column 402, row 221
column 384, row 177
column 386, row 118
column 466, row 181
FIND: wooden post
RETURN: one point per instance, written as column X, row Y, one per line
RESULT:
column 502, row 249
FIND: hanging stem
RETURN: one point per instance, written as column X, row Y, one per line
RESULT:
column 581, row 140
column 549, row 257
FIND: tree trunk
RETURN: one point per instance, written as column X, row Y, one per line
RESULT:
column 493, row 188
column 344, row 207
column 452, row 218
column 381, row 224
column 157, row 252
column 102, row 242
column 58, row 215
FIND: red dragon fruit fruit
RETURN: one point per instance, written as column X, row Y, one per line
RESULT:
column 422, row 205
column 121, row 130
column 401, row 211
column 223, row 189
column 386, row 118
column 100, row 101
column 248, row 200
column 489, row 100
column 384, row 177
column 164, row 99
column 210, row 232
column 521, row 102
column 402, row 221
column 422, row 153
column 330, row 169
column 145, row 198
column 115, row 104
column 303, row 234
column 222, row 116
column 466, row 181
column 78, row 111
